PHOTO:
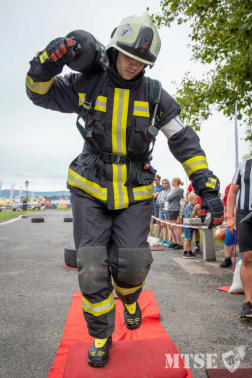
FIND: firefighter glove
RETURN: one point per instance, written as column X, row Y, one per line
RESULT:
column 210, row 201
column 207, row 186
column 59, row 51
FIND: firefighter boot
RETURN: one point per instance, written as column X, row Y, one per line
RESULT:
column 132, row 316
column 98, row 354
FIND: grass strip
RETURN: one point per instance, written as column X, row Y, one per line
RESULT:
column 5, row 215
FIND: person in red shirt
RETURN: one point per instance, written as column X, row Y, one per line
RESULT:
column 197, row 248
column 224, row 199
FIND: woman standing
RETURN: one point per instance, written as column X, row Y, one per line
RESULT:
column 173, row 199
column 161, row 202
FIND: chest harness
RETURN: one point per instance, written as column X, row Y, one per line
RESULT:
column 150, row 133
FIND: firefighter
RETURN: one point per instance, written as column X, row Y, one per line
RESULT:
column 111, row 181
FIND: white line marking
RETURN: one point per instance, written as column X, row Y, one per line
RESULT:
column 13, row 220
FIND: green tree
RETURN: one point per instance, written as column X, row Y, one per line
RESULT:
column 221, row 34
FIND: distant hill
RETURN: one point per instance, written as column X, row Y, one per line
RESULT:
column 6, row 193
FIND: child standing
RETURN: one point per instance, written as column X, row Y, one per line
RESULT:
column 191, row 210
column 182, row 204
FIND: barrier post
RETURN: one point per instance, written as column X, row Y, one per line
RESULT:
column 208, row 245
column 208, row 240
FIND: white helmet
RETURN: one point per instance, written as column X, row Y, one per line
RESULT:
column 137, row 37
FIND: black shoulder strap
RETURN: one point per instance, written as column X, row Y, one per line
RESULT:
column 153, row 92
column 90, row 99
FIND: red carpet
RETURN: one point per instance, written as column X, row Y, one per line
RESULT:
column 224, row 373
column 135, row 358
column 76, row 332
column 226, row 288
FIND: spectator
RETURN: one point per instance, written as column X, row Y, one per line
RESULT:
column 241, row 188
column 229, row 238
column 197, row 248
column 182, row 213
column 191, row 210
column 172, row 214
column 161, row 202
column 157, row 190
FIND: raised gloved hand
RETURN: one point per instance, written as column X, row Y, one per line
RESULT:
column 211, row 202
column 60, row 51
column 207, row 187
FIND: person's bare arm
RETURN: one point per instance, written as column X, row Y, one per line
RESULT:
column 225, row 212
column 197, row 207
column 195, row 211
column 231, row 200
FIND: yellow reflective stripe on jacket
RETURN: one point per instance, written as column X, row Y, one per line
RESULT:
column 211, row 182
column 99, row 308
column 43, row 56
column 141, row 108
column 40, row 88
column 128, row 290
column 89, row 187
column 119, row 124
column 100, row 104
column 82, row 97
column 194, row 164
column 143, row 192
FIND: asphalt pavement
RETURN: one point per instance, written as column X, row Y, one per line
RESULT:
column 36, row 292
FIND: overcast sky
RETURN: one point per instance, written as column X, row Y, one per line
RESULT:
column 38, row 144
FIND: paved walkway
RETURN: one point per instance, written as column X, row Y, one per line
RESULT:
column 36, row 291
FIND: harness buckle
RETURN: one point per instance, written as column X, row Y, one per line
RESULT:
column 87, row 105
column 116, row 159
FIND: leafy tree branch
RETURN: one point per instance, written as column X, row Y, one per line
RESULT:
column 221, row 34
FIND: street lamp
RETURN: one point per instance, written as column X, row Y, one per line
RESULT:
column 26, row 185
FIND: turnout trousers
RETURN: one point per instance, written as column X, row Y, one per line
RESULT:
column 110, row 244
